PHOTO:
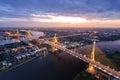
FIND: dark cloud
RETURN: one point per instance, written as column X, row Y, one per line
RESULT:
column 109, row 9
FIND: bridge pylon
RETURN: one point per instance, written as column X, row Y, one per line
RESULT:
column 93, row 51
column 17, row 34
column 55, row 40
column 44, row 34
column 91, row 67
column 29, row 35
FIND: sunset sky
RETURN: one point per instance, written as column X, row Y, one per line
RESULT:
column 60, row 13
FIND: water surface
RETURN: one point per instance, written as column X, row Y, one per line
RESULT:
column 59, row 66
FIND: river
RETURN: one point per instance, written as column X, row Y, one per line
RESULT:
column 109, row 46
column 58, row 66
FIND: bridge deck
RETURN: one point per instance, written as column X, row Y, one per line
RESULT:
column 80, row 56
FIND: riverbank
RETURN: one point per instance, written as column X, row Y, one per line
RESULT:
column 57, row 66
column 19, row 63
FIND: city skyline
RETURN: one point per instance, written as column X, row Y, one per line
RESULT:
column 60, row 13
